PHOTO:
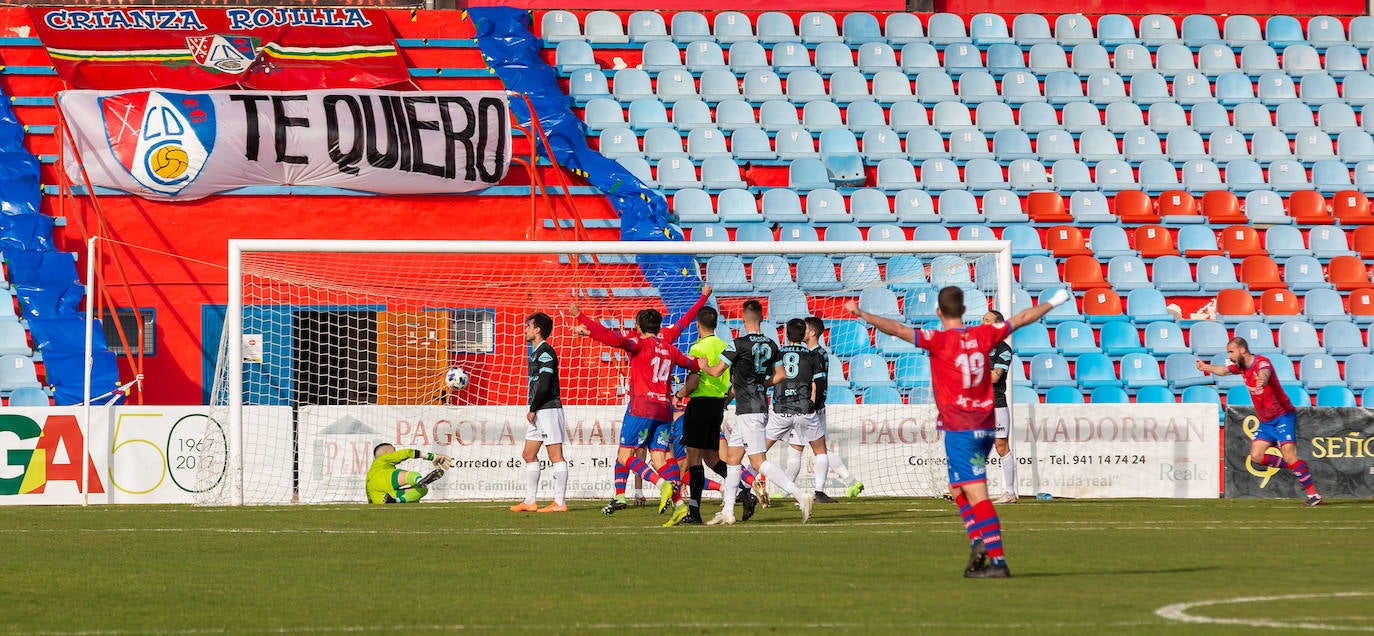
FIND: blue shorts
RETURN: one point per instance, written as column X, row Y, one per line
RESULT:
column 643, row 432
column 1278, row 431
column 967, row 452
column 675, row 436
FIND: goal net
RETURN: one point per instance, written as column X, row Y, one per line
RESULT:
column 332, row 347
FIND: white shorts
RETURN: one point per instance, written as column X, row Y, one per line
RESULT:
column 781, row 426
column 1002, row 415
column 547, row 427
column 749, row 429
column 803, row 436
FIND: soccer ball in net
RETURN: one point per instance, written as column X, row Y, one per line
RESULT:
column 456, row 378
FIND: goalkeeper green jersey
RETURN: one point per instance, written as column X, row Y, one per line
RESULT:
column 380, row 475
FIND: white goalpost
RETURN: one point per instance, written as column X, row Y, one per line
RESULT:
column 331, row 347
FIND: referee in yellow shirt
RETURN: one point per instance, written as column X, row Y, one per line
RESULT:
column 705, row 410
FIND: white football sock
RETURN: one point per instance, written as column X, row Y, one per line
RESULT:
column 560, row 483
column 531, row 481
column 777, row 478
column 822, row 470
column 794, row 461
column 730, row 488
column 837, row 465
column 1009, row 472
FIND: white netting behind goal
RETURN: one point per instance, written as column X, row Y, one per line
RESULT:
column 344, row 346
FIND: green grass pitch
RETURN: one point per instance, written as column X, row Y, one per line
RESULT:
column 862, row 565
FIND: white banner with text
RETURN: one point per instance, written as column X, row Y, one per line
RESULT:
column 174, row 145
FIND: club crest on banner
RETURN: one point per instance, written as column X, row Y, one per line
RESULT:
column 162, row 139
column 225, row 53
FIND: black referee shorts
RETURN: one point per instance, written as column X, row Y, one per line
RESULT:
column 701, row 423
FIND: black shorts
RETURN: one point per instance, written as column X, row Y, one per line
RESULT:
column 701, row 423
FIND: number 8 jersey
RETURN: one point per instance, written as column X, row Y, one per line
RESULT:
column 959, row 375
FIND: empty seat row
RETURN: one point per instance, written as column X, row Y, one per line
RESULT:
column 984, row 29
column 976, row 86
column 863, row 114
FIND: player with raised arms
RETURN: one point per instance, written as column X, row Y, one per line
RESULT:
column 1278, row 420
column 650, row 411
column 963, row 400
column 546, row 424
column 388, row 484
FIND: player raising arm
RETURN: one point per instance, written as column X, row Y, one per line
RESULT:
column 1278, row 419
column 650, row 412
column 388, row 484
column 963, row 399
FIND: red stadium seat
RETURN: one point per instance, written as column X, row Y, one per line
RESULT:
column 1260, row 272
column 1308, row 207
column 1134, row 206
column 1047, row 207
column 1362, row 241
column 1351, row 207
column 1348, row 272
column 1361, row 302
column 1066, row 240
column 1280, row 302
column 1221, row 207
column 1177, row 204
column 1101, row 302
column 1240, row 241
column 1153, row 241
column 1235, row 302
column 1083, row 271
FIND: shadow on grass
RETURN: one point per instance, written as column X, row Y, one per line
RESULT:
column 1029, row 575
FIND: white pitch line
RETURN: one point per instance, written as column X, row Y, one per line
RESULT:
column 507, row 627
column 1179, row 612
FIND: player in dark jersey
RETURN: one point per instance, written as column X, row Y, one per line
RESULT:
column 793, row 371
column 818, row 437
column 1278, row 419
column 963, row 400
column 1000, row 357
column 750, row 359
column 546, row 427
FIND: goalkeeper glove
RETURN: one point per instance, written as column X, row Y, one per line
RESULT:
column 1060, row 297
column 443, row 461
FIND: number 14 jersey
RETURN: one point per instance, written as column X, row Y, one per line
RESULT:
column 959, row 374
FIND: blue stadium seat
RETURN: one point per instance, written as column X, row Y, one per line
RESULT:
column 1095, row 143
column 751, row 143
column 1088, row 58
column 1238, row 395
column 1025, row 242
column 694, row 206
column 794, row 142
column 640, row 169
column 1317, row 89
column 816, row 273
column 849, row 338
column 1285, row 241
column 1180, row 371
column 786, row 302
column 1323, row 305
column 16, row 372
column 1158, row 175
column 1105, row 87
column 946, row 28
column 1208, row 338
column 978, row 87
column 646, row 26
column 732, row 26
column 1126, row 272
column 733, row 114
column 711, row 233
column 983, row 175
column 1091, row 207
column 911, row 371
column 1141, row 370
column 797, row 233
column 725, row 274
column 1164, row 337
column 1184, row 145
column 781, row 205
column 893, row 86
column 746, row 56
column 1063, row 87
column 1190, row 88
column 937, row 175
column 1330, row 176
column 1146, row 305
column 1063, row 395
column 1113, row 176
column 601, row 113
column 1149, row 88
column 1166, row 117
column 1032, row 339
column 1319, row 370
column 1359, row 372
column 827, row 206
column 1328, row 396
column 1037, row 273
column 1129, row 59
column 959, row 206
column 1297, row 395
column 1075, row 337
column 1049, row 370
column 1200, row 30
column 1324, row 31
column 1283, row 30
column 29, row 396
column 1202, row 394
column 870, row 205
column 882, row 395
column 1066, row 311
column 1155, row 395
column 770, row 272
column 647, row 113
column 1297, row 338
column 960, row 58
column 1173, row 274
column 1197, row 238
column 1109, row 395
column 834, row 56
column 868, row 370
column 1120, row 337
column 1073, row 175
column 1303, row 273
column 690, row 26
column 807, row 174
column 1123, row 116
column 558, row 25
column 1259, row 337
column 620, row 141
column 1342, row 338
column 774, row 27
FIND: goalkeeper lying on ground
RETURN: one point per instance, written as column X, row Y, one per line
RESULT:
column 388, row 484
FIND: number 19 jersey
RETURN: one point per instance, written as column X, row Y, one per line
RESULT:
column 751, row 359
column 959, row 374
